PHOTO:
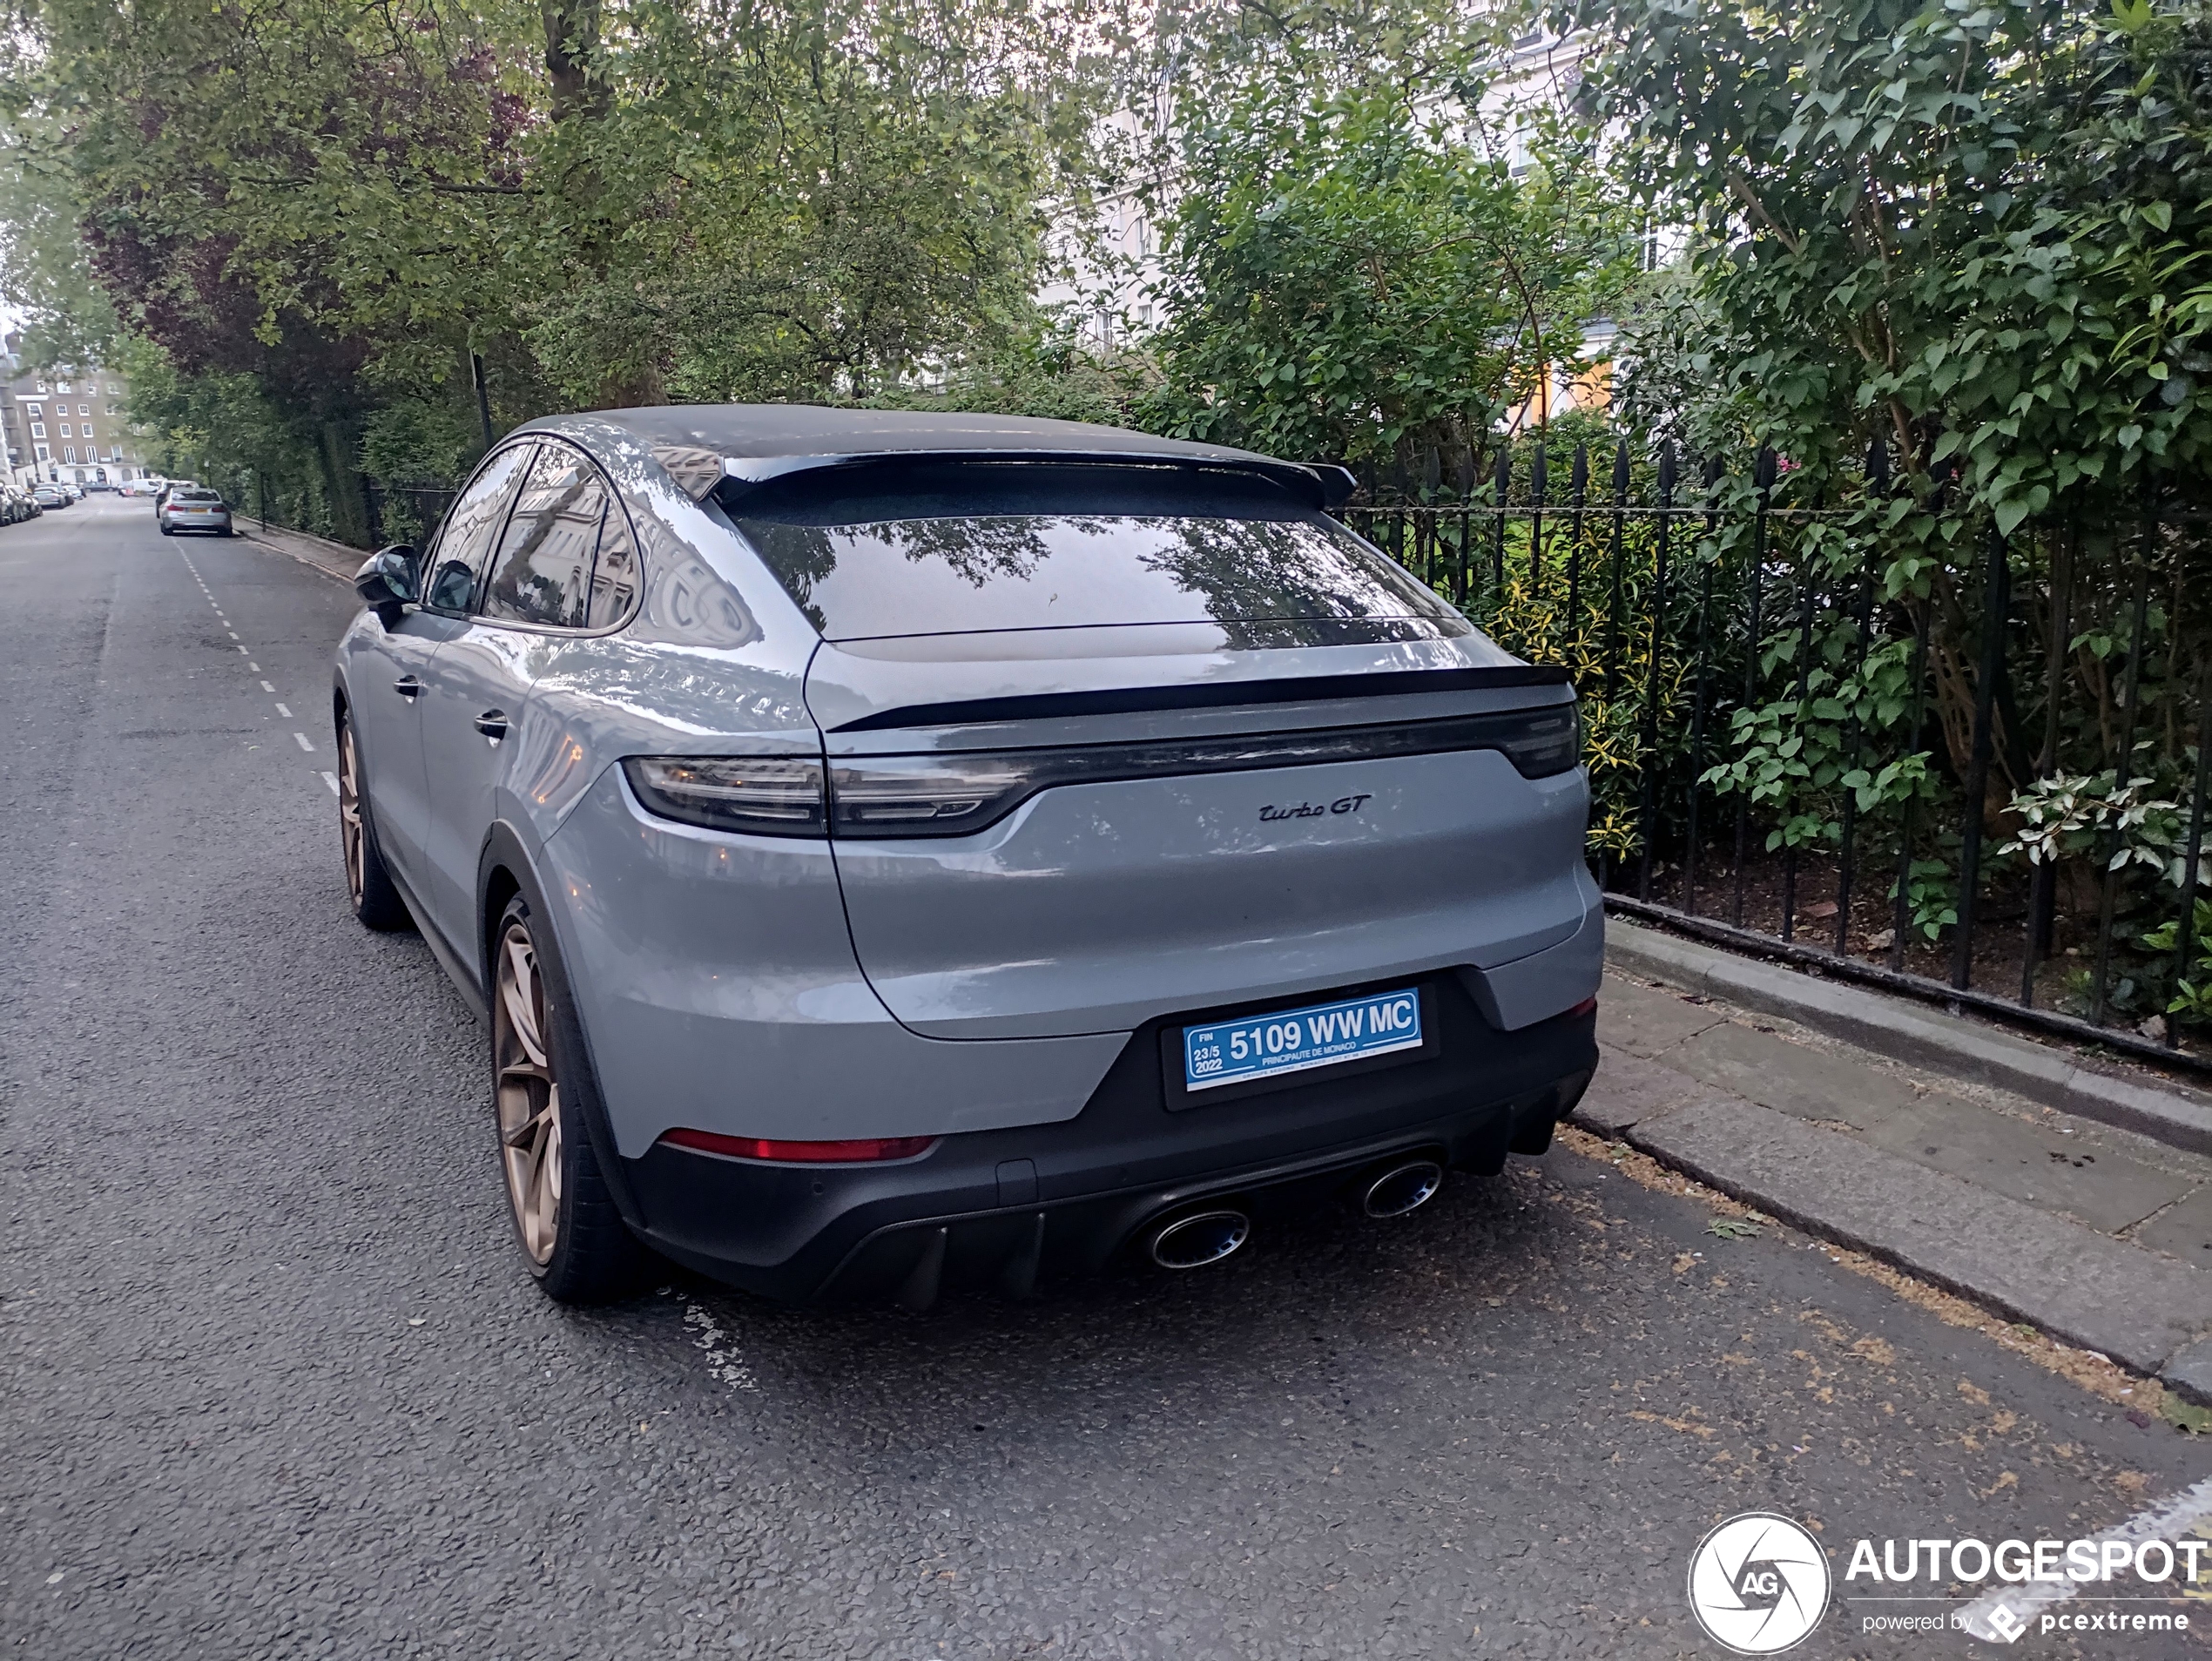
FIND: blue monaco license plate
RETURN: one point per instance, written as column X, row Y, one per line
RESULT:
column 1259, row 1046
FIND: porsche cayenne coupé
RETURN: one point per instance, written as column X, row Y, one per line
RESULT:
column 894, row 851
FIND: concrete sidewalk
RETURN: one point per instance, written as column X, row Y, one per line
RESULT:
column 332, row 559
column 2098, row 1235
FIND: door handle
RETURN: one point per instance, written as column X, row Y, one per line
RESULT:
column 408, row 686
column 493, row 724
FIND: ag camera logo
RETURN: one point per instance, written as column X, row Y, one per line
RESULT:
column 1759, row 1583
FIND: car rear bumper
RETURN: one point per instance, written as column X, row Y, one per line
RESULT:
column 1007, row 1209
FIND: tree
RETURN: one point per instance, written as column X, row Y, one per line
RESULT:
column 1982, row 234
column 1362, row 276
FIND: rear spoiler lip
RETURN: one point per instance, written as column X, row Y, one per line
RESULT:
column 1137, row 701
column 1323, row 485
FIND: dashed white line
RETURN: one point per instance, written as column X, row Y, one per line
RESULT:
column 241, row 652
column 255, row 667
column 266, row 687
column 280, row 708
column 303, row 744
column 331, row 778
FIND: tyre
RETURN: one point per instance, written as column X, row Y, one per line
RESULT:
column 368, row 884
column 572, row 1237
column 168, row 530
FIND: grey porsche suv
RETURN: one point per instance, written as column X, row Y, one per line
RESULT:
column 898, row 852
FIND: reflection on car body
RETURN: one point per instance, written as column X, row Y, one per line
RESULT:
column 844, row 818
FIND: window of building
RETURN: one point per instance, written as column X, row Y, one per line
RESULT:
column 65, row 431
column 60, row 385
column 113, row 390
column 69, row 452
column 45, row 454
column 84, row 409
column 38, row 429
column 34, row 410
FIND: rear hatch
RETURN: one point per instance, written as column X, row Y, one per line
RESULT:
column 1105, row 746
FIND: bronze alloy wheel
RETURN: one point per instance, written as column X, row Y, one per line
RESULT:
column 529, row 1095
column 350, row 814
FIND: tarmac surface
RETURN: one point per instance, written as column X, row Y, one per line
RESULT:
column 273, row 1381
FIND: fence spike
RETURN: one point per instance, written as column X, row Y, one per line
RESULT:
column 1877, row 466
column 1581, row 479
column 1621, row 470
column 1667, row 466
column 1766, row 468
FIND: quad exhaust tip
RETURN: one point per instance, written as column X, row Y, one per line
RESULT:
column 1193, row 1242
column 1403, row 1188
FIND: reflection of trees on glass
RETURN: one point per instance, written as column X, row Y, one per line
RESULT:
column 1250, row 570
column 1030, row 571
column 542, row 574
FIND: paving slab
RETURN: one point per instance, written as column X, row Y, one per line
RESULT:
column 2189, row 1373
column 1628, row 1089
column 2185, row 1232
column 1645, row 1021
column 1794, row 1078
column 2120, row 1300
column 2035, row 1164
column 1904, row 1031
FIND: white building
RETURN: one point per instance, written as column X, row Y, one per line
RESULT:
column 68, row 425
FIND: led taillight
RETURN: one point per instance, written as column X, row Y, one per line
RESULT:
column 854, row 1151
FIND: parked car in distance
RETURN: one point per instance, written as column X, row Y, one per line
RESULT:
column 195, row 509
column 76, row 491
column 24, row 505
column 898, row 852
column 49, row 496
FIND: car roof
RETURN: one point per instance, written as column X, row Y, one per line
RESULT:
column 760, row 441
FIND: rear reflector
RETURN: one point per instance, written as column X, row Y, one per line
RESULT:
column 1584, row 1007
column 802, row 1153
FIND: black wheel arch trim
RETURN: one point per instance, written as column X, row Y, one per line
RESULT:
column 504, row 850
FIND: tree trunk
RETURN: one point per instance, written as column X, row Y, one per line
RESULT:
column 343, row 487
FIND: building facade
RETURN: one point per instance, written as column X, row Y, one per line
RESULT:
column 68, row 426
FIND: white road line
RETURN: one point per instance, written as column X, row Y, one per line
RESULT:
column 241, row 652
column 331, row 778
column 2015, row 1608
column 266, row 687
column 255, row 667
column 280, row 708
column 303, row 744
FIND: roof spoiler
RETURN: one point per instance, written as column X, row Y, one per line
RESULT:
column 1319, row 485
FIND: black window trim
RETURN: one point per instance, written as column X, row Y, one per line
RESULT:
column 430, row 555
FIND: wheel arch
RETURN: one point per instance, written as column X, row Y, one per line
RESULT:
column 504, row 870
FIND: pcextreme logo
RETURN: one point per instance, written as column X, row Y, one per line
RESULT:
column 1759, row 1583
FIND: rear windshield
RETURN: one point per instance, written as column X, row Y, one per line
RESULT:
column 195, row 496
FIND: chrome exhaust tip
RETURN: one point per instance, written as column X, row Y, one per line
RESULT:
column 1403, row 1188
column 1193, row 1242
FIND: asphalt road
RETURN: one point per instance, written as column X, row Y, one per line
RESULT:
column 272, row 1382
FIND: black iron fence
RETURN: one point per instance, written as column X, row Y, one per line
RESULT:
column 1874, row 735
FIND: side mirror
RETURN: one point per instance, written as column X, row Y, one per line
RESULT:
column 387, row 583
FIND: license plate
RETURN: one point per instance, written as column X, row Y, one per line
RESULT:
column 1294, row 1040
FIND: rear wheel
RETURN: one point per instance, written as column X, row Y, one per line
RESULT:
column 571, row 1235
column 368, row 885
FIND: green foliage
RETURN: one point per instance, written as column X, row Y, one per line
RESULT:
column 1349, row 274
column 1983, row 233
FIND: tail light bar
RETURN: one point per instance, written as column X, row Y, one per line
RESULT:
column 957, row 793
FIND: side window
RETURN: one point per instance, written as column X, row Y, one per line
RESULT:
column 614, row 582
column 469, row 529
column 543, row 568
